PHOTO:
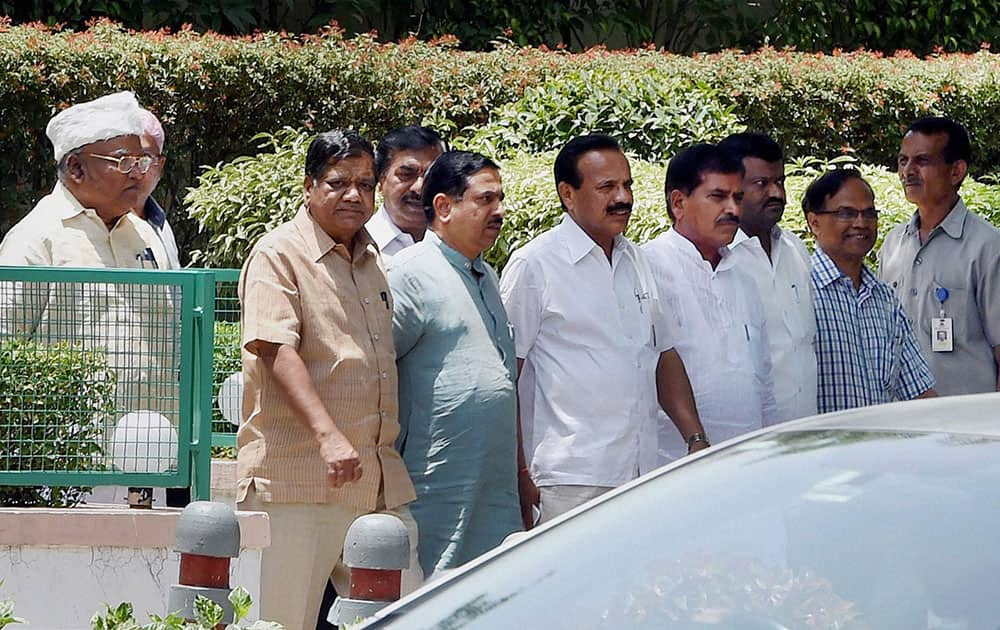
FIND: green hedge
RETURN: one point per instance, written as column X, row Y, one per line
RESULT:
column 216, row 93
column 53, row 403
column 241, row 201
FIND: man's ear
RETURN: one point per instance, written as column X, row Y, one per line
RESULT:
column 442, row 207
column 677, row 203
column 812, row 220
column 74, row 169
column 307, row 187
column 959, row 169
column 565, row 191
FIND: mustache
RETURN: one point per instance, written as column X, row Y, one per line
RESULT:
column 412, row 198
column 775, row 201
column 911, row 181
column 620, row 208
column 497, row 223
column 727, row 218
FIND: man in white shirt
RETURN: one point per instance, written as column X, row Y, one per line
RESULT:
column 594, row 356
column 720, row 331
column 401, row 159
column 778, row 262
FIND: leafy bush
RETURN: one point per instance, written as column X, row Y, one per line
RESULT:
column 815, row 105
column 215, row 93
column 917, row 25
column 651, row 112
column 532, row 205
column 208, row 615
column 53, row 400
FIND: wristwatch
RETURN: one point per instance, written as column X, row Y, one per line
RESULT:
column 695, row 438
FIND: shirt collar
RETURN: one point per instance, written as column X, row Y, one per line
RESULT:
column 383, row 231
column 457, row 259
column 72, row 207
column 319, row 243
column 154, row 213
column 744, row 240
column 953, row 224
column 688, row 249
column 578, row 243
column 826, row 272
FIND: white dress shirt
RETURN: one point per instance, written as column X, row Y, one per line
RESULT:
column 720, row 335
column 390, row 239
column 785, row 288
column 585, row 329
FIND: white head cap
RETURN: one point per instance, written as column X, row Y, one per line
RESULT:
column 101, row 119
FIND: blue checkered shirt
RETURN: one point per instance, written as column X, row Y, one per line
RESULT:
column 865, row 347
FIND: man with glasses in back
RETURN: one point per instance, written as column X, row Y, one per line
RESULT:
column 865, row 347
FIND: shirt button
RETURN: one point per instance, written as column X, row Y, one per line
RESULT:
column 376, row 336
column 385, row 375
column 913, row 291
column 367, row 301
column 917, row 261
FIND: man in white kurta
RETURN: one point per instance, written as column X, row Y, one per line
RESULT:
column 778, row 262
column 720, row 329
column 590, row 344
column 86, row 222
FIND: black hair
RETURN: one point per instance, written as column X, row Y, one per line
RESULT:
column 754, row 145
column 409, row 138
column 335, row 145
column 565, row 168
column 688, row 168
column 827, row 185
column 958, row 146
column 449, row 175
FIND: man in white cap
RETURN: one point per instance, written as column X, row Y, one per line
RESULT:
column 86, row 221
column 152, row 139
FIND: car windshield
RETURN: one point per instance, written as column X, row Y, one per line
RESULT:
column 797, row 529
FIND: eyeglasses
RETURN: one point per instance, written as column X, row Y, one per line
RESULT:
column 126, row 163
column 848, row 215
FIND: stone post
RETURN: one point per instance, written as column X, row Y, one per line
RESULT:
column 208, row 535
column 376, row 551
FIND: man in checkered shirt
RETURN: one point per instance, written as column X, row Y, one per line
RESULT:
column 865, row 347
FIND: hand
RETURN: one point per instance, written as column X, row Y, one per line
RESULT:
column 529, row 495
column 697, row 446
column 343, row 464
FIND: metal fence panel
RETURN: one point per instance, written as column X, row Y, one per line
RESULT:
column 227, row 368
column 104, row 377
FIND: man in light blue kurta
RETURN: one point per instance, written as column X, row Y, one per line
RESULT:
column 456, row 362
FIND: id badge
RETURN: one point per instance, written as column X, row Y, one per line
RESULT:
column 941, row 335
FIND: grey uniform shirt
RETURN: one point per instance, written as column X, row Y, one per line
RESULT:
column 962, row 255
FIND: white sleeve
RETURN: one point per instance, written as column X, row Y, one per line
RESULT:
column 521, row 289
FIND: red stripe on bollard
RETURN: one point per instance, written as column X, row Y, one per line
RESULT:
column 381, row 585
column 204, row 571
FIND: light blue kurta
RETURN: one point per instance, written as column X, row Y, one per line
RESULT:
column 455, row 354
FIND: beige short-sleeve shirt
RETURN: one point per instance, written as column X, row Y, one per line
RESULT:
column 301, row 288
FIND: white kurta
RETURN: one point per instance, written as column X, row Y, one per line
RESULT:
column 785, row 288
column 720, row 336
column 585, row 330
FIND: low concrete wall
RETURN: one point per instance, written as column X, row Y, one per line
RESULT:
column 61, row 566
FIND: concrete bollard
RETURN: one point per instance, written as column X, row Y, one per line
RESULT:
column 208, row 535
column 376, row 551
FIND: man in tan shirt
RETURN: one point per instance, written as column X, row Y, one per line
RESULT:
column 316, row 446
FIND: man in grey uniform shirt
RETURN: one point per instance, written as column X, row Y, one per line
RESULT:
column 944, row 264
